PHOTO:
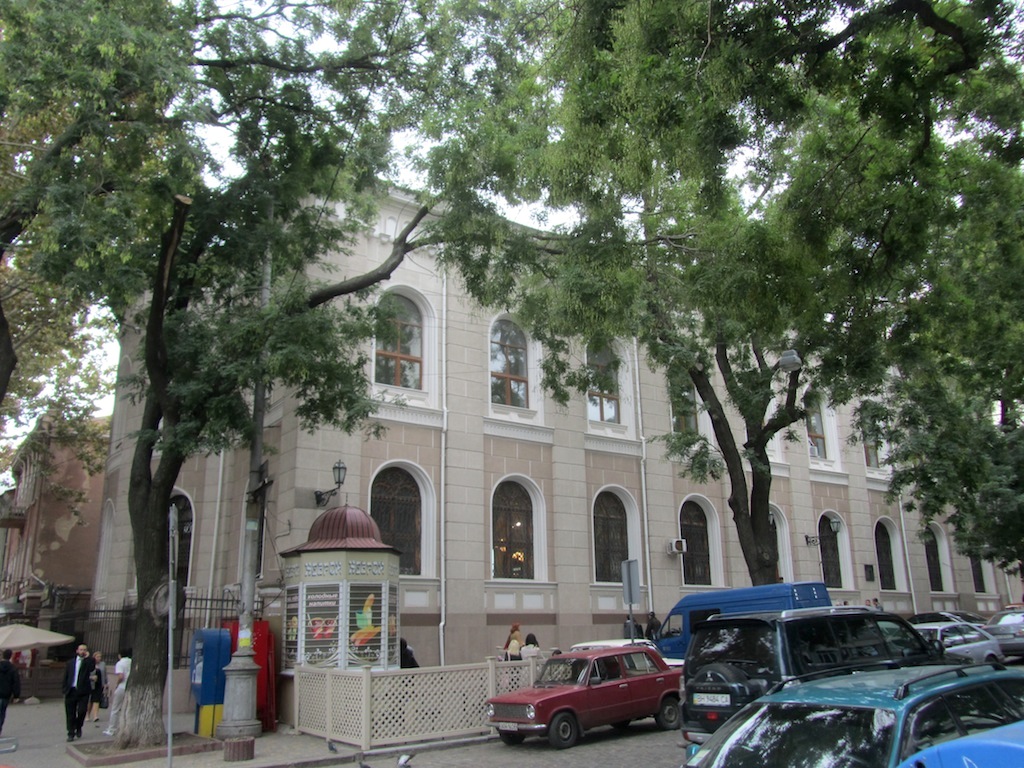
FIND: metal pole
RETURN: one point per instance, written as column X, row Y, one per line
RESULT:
column 172, row 608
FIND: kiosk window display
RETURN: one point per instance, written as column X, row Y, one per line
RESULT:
column 341, row 604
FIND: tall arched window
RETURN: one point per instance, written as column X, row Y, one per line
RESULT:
column 396, row 507
column 399, row 360
column 603, row 398
column 509, row 374
column 978, row 575
column 512, row 529
column 931, row 558
column 816, row 443
column 185, row 526
column 611, row 541
column 693, row 527
column 883, row 556
column 828, row 545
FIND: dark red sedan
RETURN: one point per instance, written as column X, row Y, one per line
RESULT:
column 584, row 689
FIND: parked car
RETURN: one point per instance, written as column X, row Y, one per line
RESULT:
column 1000, row 746
column 934, row 617
column 963, row 641
column 580, row 690
column 1008, row 628
column 622, row 643
column 734, row 659
column 866, row 719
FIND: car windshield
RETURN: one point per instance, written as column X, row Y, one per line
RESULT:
column 800, row 736
column 749, row 647
column 563, row 671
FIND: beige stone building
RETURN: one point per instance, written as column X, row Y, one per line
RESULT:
column 510, row 508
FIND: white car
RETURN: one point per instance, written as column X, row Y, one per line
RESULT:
column 617, row 642
column 963, row 640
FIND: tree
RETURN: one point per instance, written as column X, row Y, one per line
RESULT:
column 744, row 179
column 202, row 168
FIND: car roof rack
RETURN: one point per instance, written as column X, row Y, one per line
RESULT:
column 962, row 671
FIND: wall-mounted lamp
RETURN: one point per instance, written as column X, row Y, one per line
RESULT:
column 322, row 497
column 790, row 361
column 834, row 524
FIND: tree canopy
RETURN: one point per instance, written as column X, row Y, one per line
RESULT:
column 742, row 179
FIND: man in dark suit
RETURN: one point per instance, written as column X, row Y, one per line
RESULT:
column 77, row 689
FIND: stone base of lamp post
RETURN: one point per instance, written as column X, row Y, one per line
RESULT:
column 239, row 718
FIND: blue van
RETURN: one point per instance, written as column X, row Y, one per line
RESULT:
column 674, row 636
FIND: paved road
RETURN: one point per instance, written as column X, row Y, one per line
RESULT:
column 39, row 730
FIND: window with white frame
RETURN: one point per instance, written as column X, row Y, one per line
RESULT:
column 817, row 444
column 399, row 354
column 510, row 383
column 693, row 528
column 611, row 537
column 603, row 402
column 512, row 532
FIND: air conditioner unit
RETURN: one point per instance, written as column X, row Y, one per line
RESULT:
column 676, row 546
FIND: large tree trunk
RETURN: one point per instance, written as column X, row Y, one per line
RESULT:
column 8, row 357
column 149, row 496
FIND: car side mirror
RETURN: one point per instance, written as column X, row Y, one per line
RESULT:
column 938, row 648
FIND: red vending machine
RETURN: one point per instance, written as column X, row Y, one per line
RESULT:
column 264, row 655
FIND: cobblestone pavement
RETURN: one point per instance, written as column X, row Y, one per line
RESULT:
column 39, row 731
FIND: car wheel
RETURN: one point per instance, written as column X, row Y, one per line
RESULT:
column 563, row 731
column 724, row 673
column 668, row 715
column 511, row 738
column 991, row 659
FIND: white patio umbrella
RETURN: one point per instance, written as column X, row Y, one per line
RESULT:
column 21, row 637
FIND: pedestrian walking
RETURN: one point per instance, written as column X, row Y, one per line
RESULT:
column 77, row 690
column 10, row 685
column 118, row 679
column 99, row 689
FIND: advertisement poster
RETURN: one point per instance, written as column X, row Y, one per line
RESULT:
column 320, row 640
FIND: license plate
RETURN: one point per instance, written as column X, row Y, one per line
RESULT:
column 711, row 699
column 506, row 726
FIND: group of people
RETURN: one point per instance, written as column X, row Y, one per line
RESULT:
column 634, row 630
column 87, row 683
column 517, row 649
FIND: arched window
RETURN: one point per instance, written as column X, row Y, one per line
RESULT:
column 883, row 556
column 185, row 525
column 399, row 360
column 816, row 443
column 509, row 374
column 611, row 541
column 931, row 558
column 684, row 408
column 693, row 527
column 603, row 398
column 396, row 507
column 828, row 546
column 512, row 528
column 978, row 575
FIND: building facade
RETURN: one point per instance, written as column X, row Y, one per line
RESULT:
column 508, row 507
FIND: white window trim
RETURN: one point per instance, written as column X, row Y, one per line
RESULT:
column 626, row 428
column 429, row 395
column 714, row 540
column 899, row 561
column 428, row 515
column 540, row 531
column 782, row 533
column 534, row 414
column 633, row 548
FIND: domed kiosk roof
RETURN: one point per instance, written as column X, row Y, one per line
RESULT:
column 342, row 528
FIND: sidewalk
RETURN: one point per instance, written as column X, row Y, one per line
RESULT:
column 39, row 730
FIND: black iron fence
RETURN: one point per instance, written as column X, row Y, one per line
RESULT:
column 111, row 629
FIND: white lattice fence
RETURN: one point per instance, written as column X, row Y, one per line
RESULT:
column 376, row 708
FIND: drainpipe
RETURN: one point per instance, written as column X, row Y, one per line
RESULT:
column 443, row 475
column 906, row 555
column 646, row 537
column 216, row 536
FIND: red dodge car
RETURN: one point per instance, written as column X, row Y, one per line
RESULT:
column 584, row 689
